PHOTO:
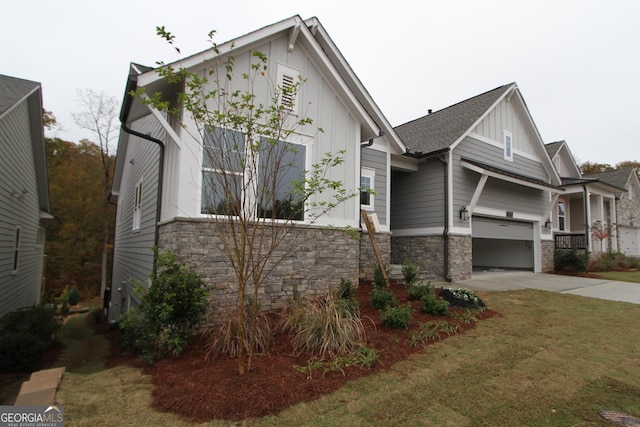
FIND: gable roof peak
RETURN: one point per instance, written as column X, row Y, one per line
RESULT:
column 441, row 129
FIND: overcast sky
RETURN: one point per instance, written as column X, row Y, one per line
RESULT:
column 576, row 62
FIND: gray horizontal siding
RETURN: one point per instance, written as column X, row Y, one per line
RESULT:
column 497, row 194
column 377, row 160
column 133, row 255
column 18, row 174
column 417, row 198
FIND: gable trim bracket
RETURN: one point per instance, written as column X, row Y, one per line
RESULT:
column 505, row 175
column 293, row 36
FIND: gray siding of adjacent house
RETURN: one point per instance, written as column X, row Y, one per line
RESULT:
column 417, row 198
column 133, row 255
column 377, row 160
column 497, row 193
column 19, row 288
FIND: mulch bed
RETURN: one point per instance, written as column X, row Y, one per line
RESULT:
column 203, row 390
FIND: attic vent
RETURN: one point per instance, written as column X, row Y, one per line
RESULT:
column 287, row 79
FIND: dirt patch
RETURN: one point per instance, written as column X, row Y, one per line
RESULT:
column 204, row 390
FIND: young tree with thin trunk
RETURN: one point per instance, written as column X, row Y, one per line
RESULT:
column 100, row 117
column 259, row 197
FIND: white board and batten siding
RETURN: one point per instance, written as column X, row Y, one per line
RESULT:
column 133, row 255
column 19, row 210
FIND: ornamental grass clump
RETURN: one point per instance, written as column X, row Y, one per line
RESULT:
column 223, row 339
column 325, row 327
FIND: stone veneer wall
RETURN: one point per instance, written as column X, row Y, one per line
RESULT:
column 548, row 255
column 368, row 255
column 321, row 258
column 428, row 253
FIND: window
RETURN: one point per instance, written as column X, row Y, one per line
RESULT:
column 16, row 251
column 367, row 179
column 281, row 176
column 137, row 208
column 562, row 216
column 508, row 145
column 40, row 238
column 275, row 191
column 288, row 85
column 222, row 169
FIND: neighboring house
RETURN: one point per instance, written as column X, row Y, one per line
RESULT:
column 584, row 215
column 24, row 193
column 627, row 211
column 474, row 189
column 158, row 182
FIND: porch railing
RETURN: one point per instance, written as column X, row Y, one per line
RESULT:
column 571, row 241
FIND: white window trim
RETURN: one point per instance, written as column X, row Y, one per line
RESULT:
column 16, row 250
column 137, row 206
column 508, row 144
column 288, row 76
column 371, row 174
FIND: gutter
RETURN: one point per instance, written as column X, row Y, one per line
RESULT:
column 132, row 84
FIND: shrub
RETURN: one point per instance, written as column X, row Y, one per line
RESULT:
column 170, row 311
column 612, row 261
column 378, row 276
column 570, row 261
column 418, row 290
column 20, row 351
column 382, row 298
column 324, row 327
column 38, row 320
column 396, row 317
column 410, row 272
column 434, row 305
column 463, row 298
column 346, row 289
column 73, row 297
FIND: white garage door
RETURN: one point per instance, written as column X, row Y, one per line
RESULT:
column 499, row 243
column 629, row 237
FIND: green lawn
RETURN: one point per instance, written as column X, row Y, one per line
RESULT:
column 623, row 276
column 550, row 359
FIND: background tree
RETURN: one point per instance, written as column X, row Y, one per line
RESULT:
column 256, row 192
column 100, row 117
column 74, row 240
column 590, row 167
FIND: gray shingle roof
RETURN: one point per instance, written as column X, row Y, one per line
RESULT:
column 13, row 90
column 442, row 128
column 618, row 178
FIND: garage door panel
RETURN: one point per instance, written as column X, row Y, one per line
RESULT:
column 501, row 253
column 489, row 228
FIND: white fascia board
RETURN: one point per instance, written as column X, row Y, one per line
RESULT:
column 225, row 48
column 565, row 149
column 338, row 60
column 404, row 163
column 513, row 180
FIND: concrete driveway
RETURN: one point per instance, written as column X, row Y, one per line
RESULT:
column 595, row 288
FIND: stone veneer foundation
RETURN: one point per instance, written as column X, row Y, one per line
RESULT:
column 428, row 253
column 368, row 256
column 320, row 259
